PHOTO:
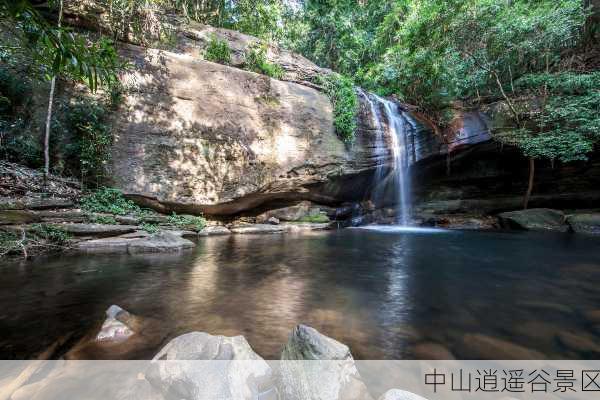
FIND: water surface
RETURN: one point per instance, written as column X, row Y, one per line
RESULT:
column 380, row 292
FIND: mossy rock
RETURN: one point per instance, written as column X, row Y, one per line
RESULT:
column 535, row 219
column 585, row 223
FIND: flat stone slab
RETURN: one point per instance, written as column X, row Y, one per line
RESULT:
column 214, row 231
column 281, row 228
column 534, row 219
column 585, row 223
column 257, row 229
column 162, row 242
column 98, row 230
column 306, row 226
column 107, row 245
column 12, row 217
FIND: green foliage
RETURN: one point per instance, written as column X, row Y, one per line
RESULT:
column 150, row 227
column 86, row 119
column 103, row 219
column 50, row 233
column 218, row 51
column 564, row 122
column 59, row 51
column 14, row 92
column 187, row 221
column 345, row 104
column 256, row 61
column 108, row 200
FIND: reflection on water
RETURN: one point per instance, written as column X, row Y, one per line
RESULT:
column 385, row 294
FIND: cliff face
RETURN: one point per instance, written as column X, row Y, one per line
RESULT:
column 199, row 137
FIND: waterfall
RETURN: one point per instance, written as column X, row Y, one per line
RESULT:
column 388, row 117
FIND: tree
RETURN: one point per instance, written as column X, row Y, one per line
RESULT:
column 57, row 51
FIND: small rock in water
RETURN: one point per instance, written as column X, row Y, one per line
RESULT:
column 112, row 329
column 579, row 342
column 162, row 242
column 334, row 377
column 273, row 221
column 431, row 351
column 534, row 219
column 397, row 394
column 479, row 346
column 592, row 316
column 214, row 231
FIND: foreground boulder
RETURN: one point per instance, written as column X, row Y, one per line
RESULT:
column 315, row 366
column 397, row 394
column 585, row 223
column 236, row 371
column 535, row 219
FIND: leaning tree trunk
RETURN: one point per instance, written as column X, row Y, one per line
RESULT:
column 530, row 184
column 49, row 116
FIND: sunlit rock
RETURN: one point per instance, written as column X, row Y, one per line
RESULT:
column 314, row 366
column 198, row 365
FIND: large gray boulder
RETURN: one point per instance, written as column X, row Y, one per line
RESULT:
column 314, row 366
column 535, row 219
column 397, row 394
column 162, row 242
column 585, row 223
column 181, row 369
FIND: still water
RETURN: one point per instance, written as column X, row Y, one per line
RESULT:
column 382, row 292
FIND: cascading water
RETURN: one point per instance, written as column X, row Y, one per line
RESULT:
column 399, row 125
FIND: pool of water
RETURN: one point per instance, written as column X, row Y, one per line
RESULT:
column 383, row 292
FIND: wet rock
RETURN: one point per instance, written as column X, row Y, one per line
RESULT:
column 122, row 335
column 335, row 377
column 273, row 221
column 256, row 228
column 216, row 230
column 592, row 316
column 535, row 219
column 10, row 217
column 112, row 329
column 579, row 342
column 431, row 351
column 96, row 230
column 107, row 245
column 239, row 374
column 479, row 346
column 162, row 242
column 397, row 394
column 585, row 223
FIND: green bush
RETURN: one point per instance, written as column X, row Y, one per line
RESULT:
column 87, row 120
column 187, row 221
column 340, row 91
column 50, row 233
column 256, row 61
column 14, row 92
column 149, row 227
column 108, row 200
column 218, row 51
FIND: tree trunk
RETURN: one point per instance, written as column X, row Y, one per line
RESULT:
column 49, row 116
column 530, row 184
